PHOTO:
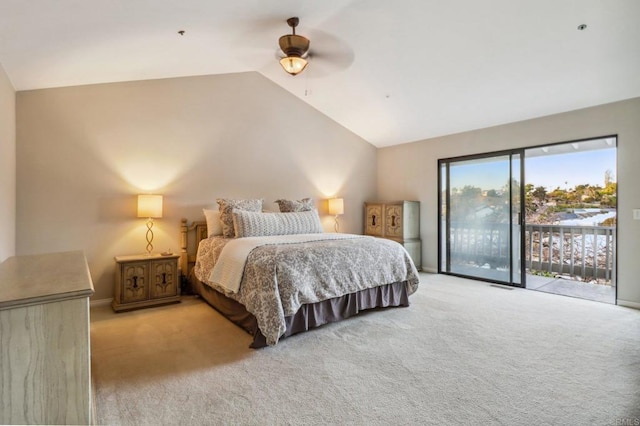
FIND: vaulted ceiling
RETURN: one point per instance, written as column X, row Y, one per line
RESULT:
column 391, row 72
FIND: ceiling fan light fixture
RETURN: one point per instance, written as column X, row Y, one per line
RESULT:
column 293, row 64
column 295, row 47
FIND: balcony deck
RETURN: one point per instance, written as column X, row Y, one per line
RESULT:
column 554, row 285
column 566, row 287
column 586, row 253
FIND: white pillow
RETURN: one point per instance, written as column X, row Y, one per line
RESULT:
column 214, row 226
column 258, row 224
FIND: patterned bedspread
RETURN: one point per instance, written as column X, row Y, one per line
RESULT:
column 278, row 279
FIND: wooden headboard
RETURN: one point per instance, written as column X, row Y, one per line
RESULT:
column 190, row 237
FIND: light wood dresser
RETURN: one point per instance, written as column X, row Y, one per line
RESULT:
column 45, row 358
column 398, row 221
column 145, row 280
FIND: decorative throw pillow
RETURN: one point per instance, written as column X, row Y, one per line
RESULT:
column 304, row 205
column 254, row 224
column 226, row 208
column 214, row 226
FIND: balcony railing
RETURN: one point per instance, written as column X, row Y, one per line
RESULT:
column 587, row 252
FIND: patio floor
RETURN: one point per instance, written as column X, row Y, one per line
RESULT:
column 565, row 287
column 561, row 286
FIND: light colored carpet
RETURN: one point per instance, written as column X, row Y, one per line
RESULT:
column 463, row 352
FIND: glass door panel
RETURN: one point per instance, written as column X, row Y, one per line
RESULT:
column 480, row 207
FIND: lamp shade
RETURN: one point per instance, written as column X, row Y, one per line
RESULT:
column 293, row 64
column 149, row 205
column 336, row 206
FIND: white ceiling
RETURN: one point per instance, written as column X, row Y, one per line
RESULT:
column 391, row 72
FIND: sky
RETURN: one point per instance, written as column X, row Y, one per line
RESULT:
column 550, row 171
column 575, row 169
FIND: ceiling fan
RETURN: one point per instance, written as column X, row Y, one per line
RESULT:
column 295, row 48
column 319, row 53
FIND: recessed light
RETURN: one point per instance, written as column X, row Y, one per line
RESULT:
column 582, row 27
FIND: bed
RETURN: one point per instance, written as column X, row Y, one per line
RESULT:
column 274, row 279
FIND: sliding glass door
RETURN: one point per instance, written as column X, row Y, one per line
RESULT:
column 481, row 217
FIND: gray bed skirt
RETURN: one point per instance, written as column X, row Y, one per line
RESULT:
column 308, row 316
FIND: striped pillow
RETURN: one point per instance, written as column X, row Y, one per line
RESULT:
column 254, row 224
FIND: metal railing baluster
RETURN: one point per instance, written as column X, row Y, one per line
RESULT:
column 471, row 244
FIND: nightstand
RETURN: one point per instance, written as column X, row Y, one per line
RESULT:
column 145, row 280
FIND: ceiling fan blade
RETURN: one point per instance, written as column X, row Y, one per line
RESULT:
column 328, row 54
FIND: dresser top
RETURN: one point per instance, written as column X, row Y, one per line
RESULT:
column 144, row 257
column 44, row 278
column 392, row 202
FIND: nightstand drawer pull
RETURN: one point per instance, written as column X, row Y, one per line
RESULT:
column 393, row 221
column 164, row 278
column 373, row 220
column 135, row 281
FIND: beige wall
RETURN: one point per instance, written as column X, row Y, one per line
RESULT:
column 7, row 167
column 410, row 172
column 84, row 152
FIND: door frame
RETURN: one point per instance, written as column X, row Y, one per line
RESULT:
column 522, row 200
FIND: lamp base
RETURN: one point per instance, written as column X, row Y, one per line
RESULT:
column 149, row 236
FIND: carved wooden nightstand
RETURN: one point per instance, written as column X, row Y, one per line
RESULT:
column 145, row 280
